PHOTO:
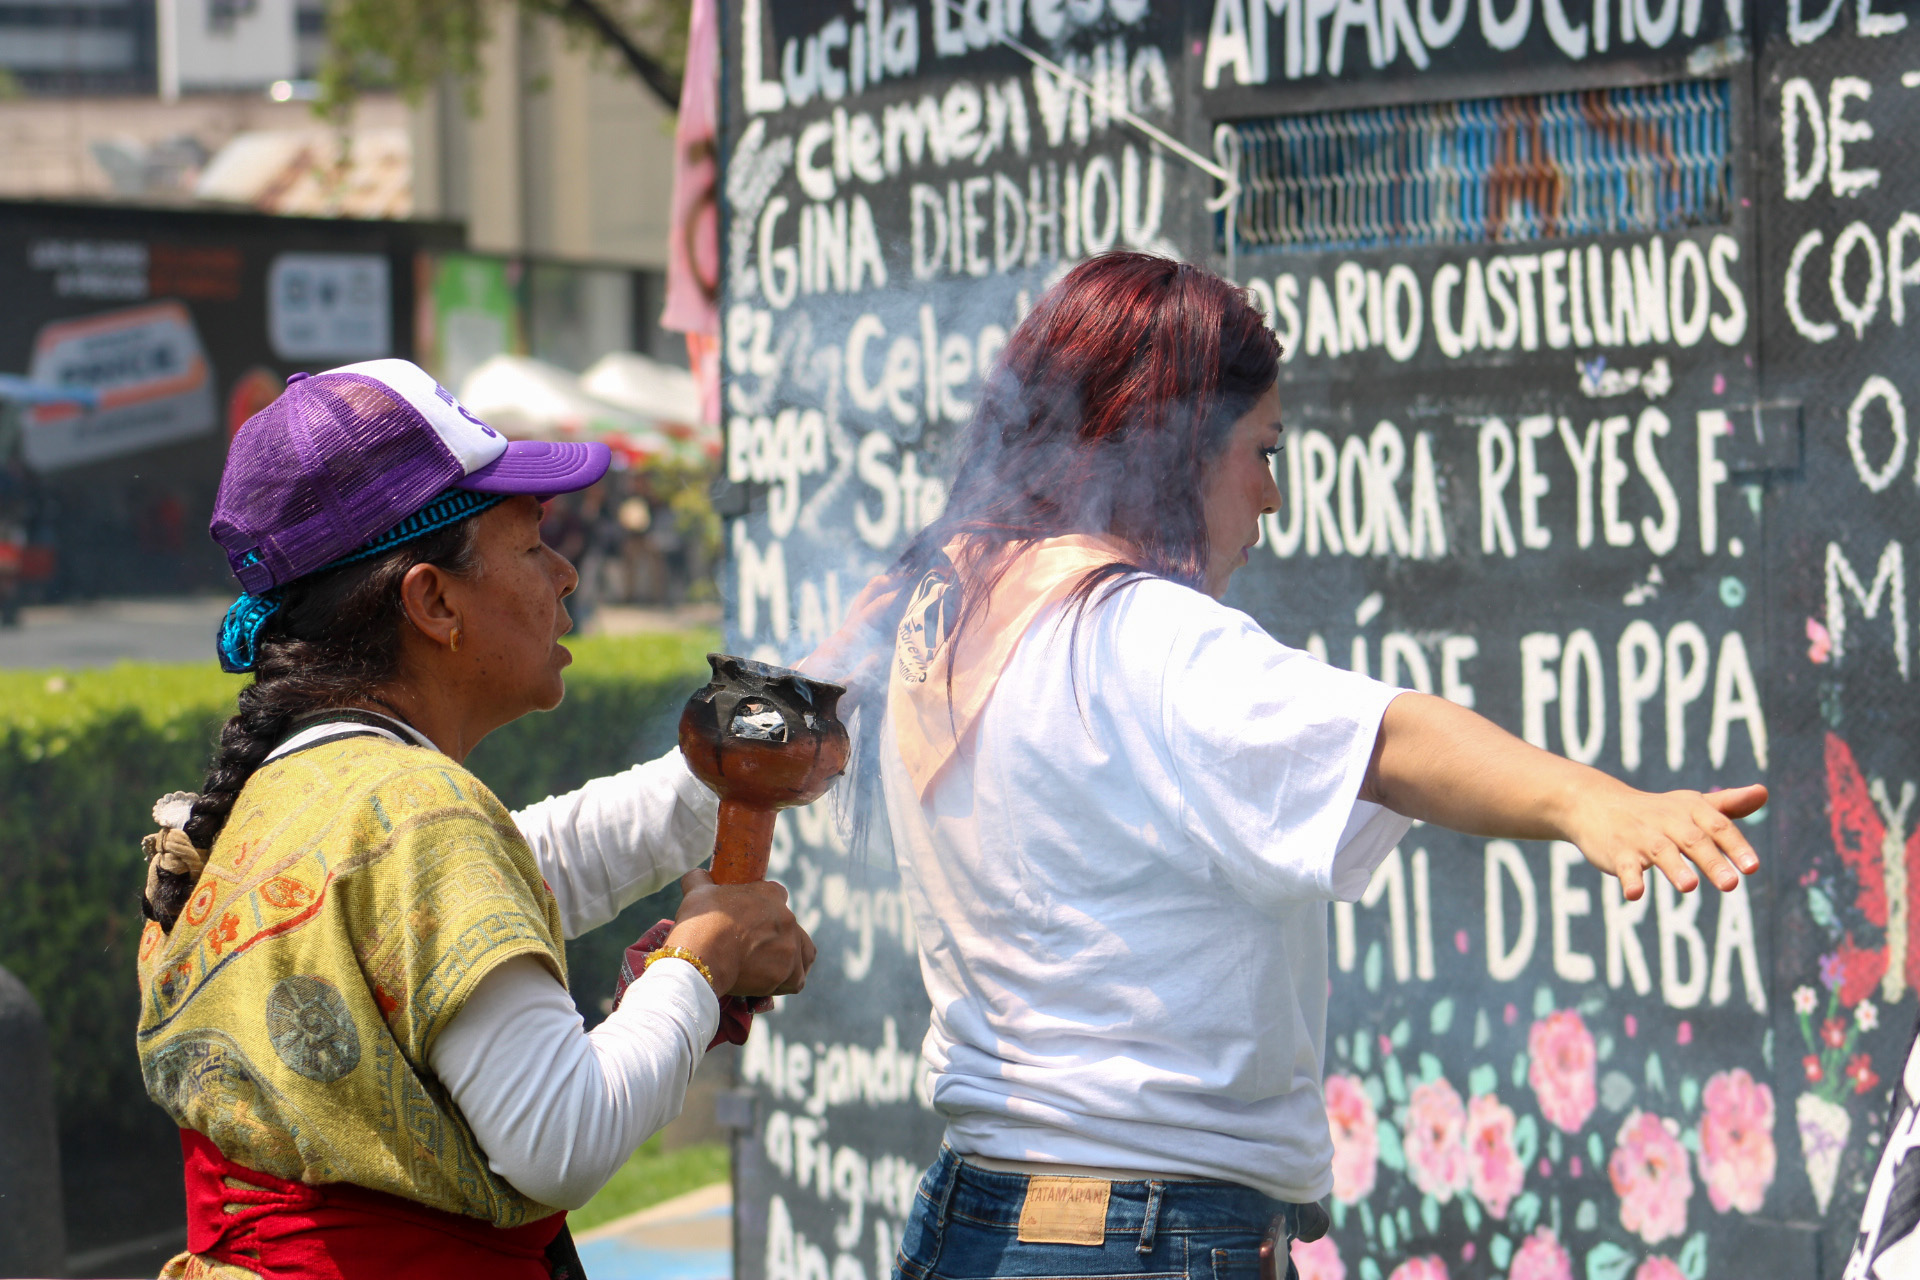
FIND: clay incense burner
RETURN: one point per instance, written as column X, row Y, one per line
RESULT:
column 765, row 739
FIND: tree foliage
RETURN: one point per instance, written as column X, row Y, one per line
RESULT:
column 413, row 45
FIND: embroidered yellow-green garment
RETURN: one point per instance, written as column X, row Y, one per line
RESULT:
column 358, row 893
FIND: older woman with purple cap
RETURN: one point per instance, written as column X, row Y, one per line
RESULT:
column 353, row 994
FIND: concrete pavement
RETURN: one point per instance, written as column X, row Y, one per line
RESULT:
column 687, row 1238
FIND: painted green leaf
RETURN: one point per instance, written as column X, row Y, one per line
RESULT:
column 1396, row 1082
column 1369, row 1269
column 1820, row 907
column 1689, row 1092
column 1362, row 1052
column 1519, row 1069
column 1442, row 1016
column 1429, row 1068
column 1370, row 970
column 1596, row 1152
column 1339, row 1215
column 1470, row 1207
column 1406, row 1221
column 1402, row 1033
column 1482, row 1029
column 1392, row 1154
column 1586, row 1217
column 1525, row 1211
column 1389, row 1233
column 1482, row 1079
column 1616, row 1091
column 1656, row 1075
column 1693, row 1256
column 1376, row 1092
column 1366, row 1219
column 1603, row 1046
column 1526, row 1139
column 1553, row 1145
column 1542, row 1001
column 1500, row 1249
column 1608, row 1261
column 1430, row 1214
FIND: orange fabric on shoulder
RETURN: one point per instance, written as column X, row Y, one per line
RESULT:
column 929, row 726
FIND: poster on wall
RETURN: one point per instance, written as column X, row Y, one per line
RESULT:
column 330, row 306
column 469, row 312
column 1594, row 425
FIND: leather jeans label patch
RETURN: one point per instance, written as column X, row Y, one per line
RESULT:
column 1065, row 1211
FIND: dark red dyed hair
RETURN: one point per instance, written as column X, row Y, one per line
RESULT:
column 1100, row 416
column 1101, row 413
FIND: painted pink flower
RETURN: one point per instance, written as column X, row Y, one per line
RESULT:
column 1319, row 1260
column 1540, row 1257
column 1562, row 1068
column 1356, row 1144
column 1427, row 1268
column 1650, row 1175
column 1495, row 1172
column 1736, row 1141
column 1659, row 1268
column 1436, row 1140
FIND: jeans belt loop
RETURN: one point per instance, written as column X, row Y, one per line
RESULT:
column 950, row 1166
column 1152, row 1219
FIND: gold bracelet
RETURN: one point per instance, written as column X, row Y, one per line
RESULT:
column 680, row 953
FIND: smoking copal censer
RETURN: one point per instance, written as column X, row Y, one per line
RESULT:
column 764, row 739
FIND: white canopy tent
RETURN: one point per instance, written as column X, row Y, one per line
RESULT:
column 657, row 391
column 530, row 399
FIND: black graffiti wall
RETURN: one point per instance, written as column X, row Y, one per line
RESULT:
column 898, row 188
column 1586, row 431
column 1837, row 234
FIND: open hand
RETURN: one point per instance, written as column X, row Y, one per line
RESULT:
column 746, row 935
column 1624, row 832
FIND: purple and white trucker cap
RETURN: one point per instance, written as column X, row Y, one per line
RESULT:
column 344, row 456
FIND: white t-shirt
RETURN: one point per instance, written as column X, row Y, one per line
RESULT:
column 1120, row 887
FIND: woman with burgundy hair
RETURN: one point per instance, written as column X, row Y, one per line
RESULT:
column 1120, row 807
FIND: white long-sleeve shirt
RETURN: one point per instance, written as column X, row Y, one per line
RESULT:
column 557, row 1108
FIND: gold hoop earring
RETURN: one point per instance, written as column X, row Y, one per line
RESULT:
column 454, row 644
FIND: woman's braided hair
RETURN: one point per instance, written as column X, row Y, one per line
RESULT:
column 334, row 640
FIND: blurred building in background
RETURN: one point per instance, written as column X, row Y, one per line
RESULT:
column 569, row 155
column 524, row 241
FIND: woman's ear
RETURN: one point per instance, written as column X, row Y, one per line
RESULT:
column 424, row 595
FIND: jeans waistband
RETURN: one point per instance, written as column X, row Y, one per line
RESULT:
column 991, row 1198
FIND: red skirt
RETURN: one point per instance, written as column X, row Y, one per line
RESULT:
column 292, row 1231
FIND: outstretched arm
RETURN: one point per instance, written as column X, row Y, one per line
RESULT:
column 1443, row 764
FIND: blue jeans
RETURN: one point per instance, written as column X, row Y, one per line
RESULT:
column 966, row 1220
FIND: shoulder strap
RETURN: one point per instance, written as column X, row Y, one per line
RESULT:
column 349, row 722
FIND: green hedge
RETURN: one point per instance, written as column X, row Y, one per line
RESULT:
column 83, row 756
